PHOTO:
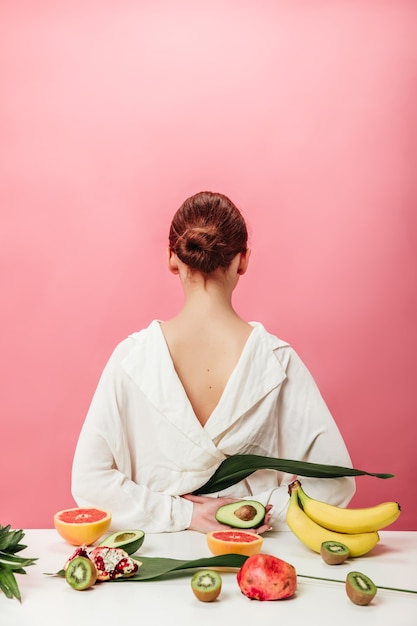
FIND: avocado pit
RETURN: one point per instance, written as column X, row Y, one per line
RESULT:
column 246, row 513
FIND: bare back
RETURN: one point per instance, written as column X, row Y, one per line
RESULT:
column 204, row 359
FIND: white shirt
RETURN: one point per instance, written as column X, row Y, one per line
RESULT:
column 141, row 446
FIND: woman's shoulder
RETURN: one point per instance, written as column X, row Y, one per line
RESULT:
column 265, row 335
column 136, row 339
column 144, row 334
column 283, row 351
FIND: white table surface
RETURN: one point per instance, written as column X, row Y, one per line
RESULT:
column 51, row 601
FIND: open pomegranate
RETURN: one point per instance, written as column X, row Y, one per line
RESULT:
column 265, row 577
column 111, row 563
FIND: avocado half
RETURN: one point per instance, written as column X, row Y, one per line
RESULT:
column 128, row 540
column 241, row 514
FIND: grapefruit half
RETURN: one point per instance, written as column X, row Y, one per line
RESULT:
column 82, row 526
column 233, row 542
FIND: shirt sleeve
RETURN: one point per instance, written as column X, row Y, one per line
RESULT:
column 102, row 465
column 308, row 432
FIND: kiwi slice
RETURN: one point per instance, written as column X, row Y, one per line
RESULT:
column 360, row 588
column 206, row 585
column 81, row 573
column 334, row 552
column 129, row 540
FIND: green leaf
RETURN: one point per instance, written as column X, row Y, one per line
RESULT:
column 154, row 567
column 12, row 561
column 9, row 540
column 9, row 585
column 10, row 564
column 238, row 467
column 157, row 567
column 18, row 547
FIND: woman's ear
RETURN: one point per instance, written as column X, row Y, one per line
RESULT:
column 172, row 260
column 244, row 261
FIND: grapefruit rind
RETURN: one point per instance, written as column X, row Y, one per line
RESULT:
column 85, row 532
column 233, row 542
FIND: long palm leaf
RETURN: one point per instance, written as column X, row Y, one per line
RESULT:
column 239, row 466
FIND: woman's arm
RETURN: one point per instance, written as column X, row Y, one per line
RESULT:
column 108, row 454
column 97, row 482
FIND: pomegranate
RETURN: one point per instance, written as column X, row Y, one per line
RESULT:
column 265, row 577
column 111, row 563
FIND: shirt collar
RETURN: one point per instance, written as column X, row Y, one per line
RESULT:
column 258, row 371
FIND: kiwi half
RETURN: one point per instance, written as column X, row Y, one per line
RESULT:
column 81, row 573
column 360, row 588
column 206, row 585
column 334, row 552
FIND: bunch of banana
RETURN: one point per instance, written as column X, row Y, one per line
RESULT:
column 349, row 520
column 10, row 564
column 314, row 522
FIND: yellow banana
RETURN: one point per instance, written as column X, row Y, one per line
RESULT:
column 312, row 535
column 349, row 520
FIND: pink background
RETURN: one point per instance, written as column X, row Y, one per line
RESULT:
column 112, row 113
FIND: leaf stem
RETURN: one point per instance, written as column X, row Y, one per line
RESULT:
column 334, row 580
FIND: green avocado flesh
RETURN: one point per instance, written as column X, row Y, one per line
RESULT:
column 241, row 514
column 128, row 540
